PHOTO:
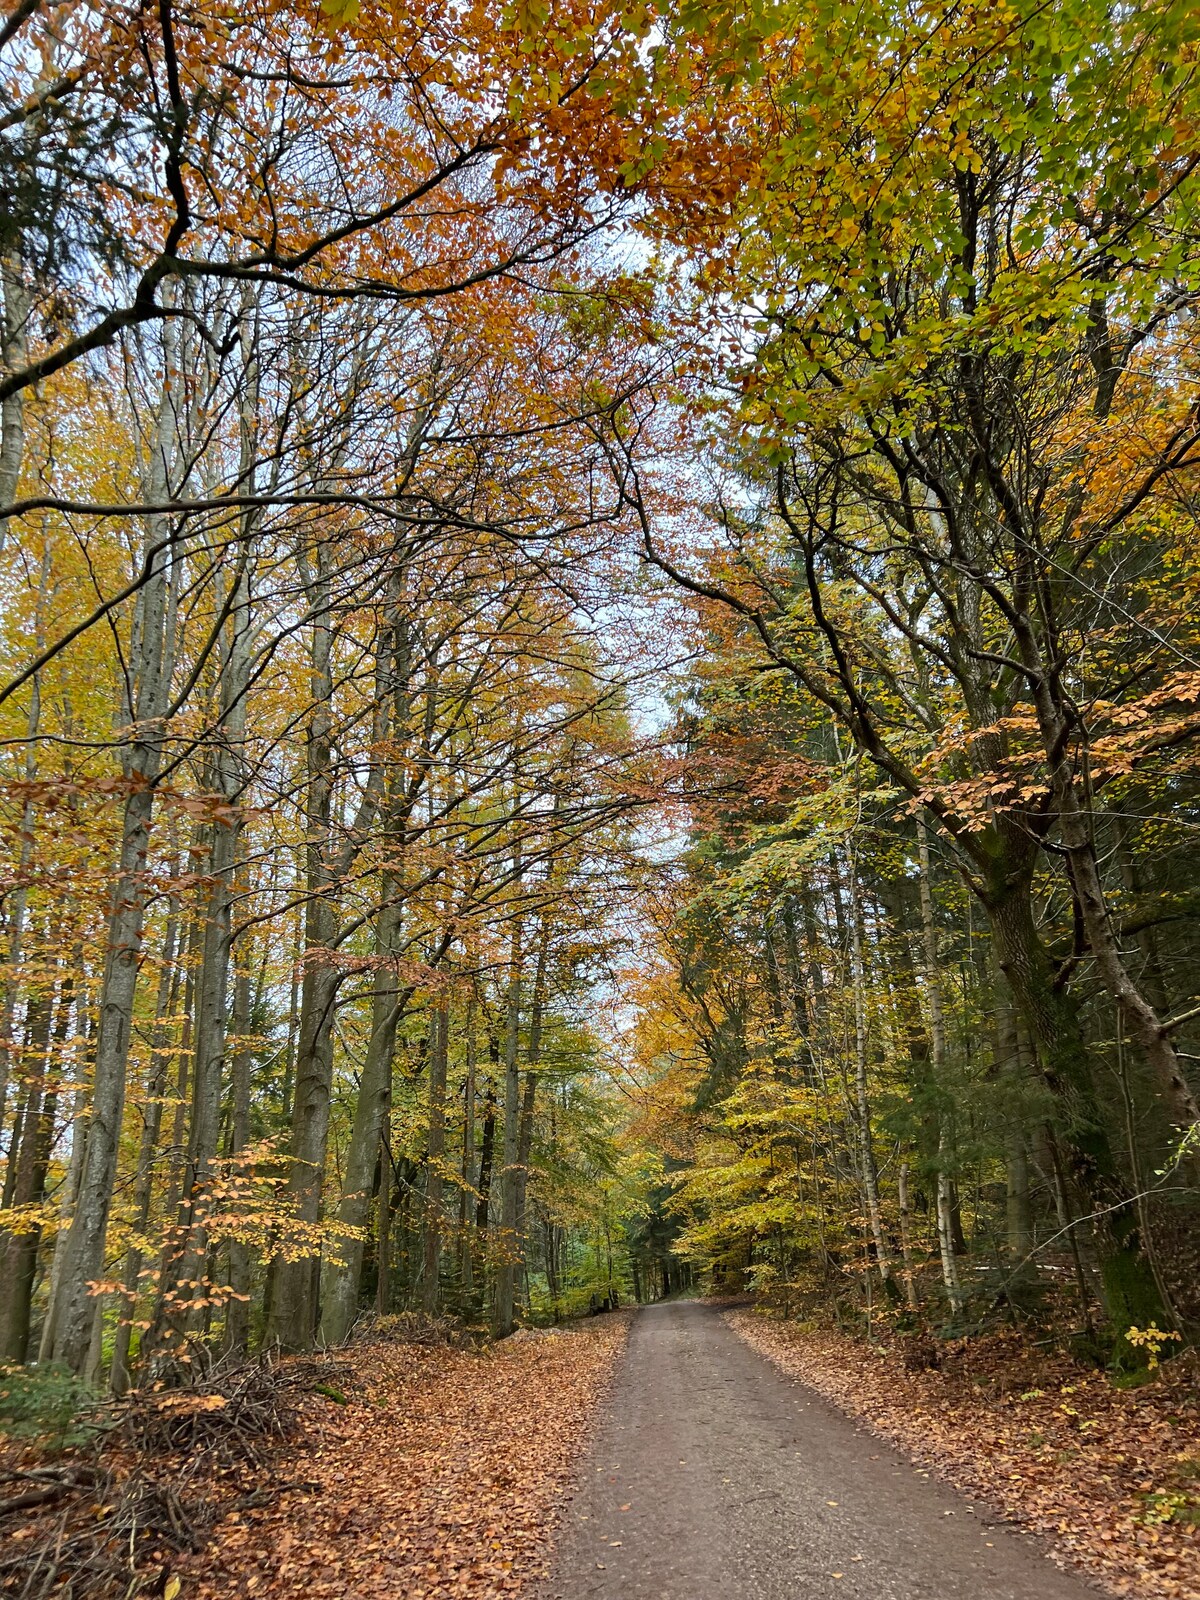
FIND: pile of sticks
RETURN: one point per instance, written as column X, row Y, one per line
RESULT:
column 110, row 1522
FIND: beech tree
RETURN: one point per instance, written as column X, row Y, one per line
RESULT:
column 960, row 454
column 364, row 474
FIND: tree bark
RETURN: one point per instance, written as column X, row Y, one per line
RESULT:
column 529, row 1097
column 937, row 1041
column 184, row 1291
column 1153, row 1037
column 156, row 1088
column 435, row 1147
column 342, row 1277
column 906, row 1251
column 468, row 1176
column 291, row 1314
column 487, row 1150
column 870, row 1173
column 1052, row 1023
column 237, row 1310
column 18, row 1259
column 508, row 1244
column 15, row 357
column 150, row 655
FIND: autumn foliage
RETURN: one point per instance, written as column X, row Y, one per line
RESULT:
column 599, row 674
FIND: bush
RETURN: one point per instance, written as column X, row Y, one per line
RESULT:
column 46, row 1404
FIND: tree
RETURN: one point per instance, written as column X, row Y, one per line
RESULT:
column 959, row 440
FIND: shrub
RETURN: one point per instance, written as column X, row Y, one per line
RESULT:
column 46, row 1404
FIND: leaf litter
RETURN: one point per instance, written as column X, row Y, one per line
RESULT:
column 400, row 1467
column 437, row 1475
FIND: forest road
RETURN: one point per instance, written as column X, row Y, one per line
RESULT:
column 712, row 1476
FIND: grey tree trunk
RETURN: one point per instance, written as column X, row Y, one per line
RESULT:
column 28, row 1162
column 290, row 1320
column 468, row 1174
column 1018, row 1205
column 343, row 1275
column 14, row 355
column 529, row 1097
column 1051, row 1022
column 237, row 1311
column 156, row 1087
column 937, row 1043
column 66, row 1209
column 292, row 1316
column 870, row 1174
column 18, row 899
column 1151, row 1033
column 435, row 1148
column 383, row 1224
column 149, row 662
column 184, row 1292
column 507, row 1241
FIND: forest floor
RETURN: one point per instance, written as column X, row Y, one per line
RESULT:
column 1110, row 1477
column 720, row 1453
column 404, row 1471
column 440, row 1477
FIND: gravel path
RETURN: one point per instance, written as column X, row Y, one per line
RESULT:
column 714, row 1477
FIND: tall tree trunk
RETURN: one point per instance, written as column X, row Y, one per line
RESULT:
column 1019, row 1236
column 14, row 355
column 32, row 1061
column 342, row 1276
column 435, row 1147
column 1051, row 1019
column 487, row 1151
column 290, row 1321
column 507, row 1248
column 552, row 1278
column 906, row 1250
column 149, row 672
column 169, row 981
column 18, row 898
column 1152, row 1035
column 237, row 1310
column 18, row 1253
column 870, row 1174
column 467, row 1177
column 70, row 1193
column 937, row 1041
column 184, row 1291
column 529, row 1096
column 383, row 1226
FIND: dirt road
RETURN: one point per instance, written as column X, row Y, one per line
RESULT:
column 713, row 1477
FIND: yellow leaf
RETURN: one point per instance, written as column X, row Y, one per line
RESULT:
column 172, row 1589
